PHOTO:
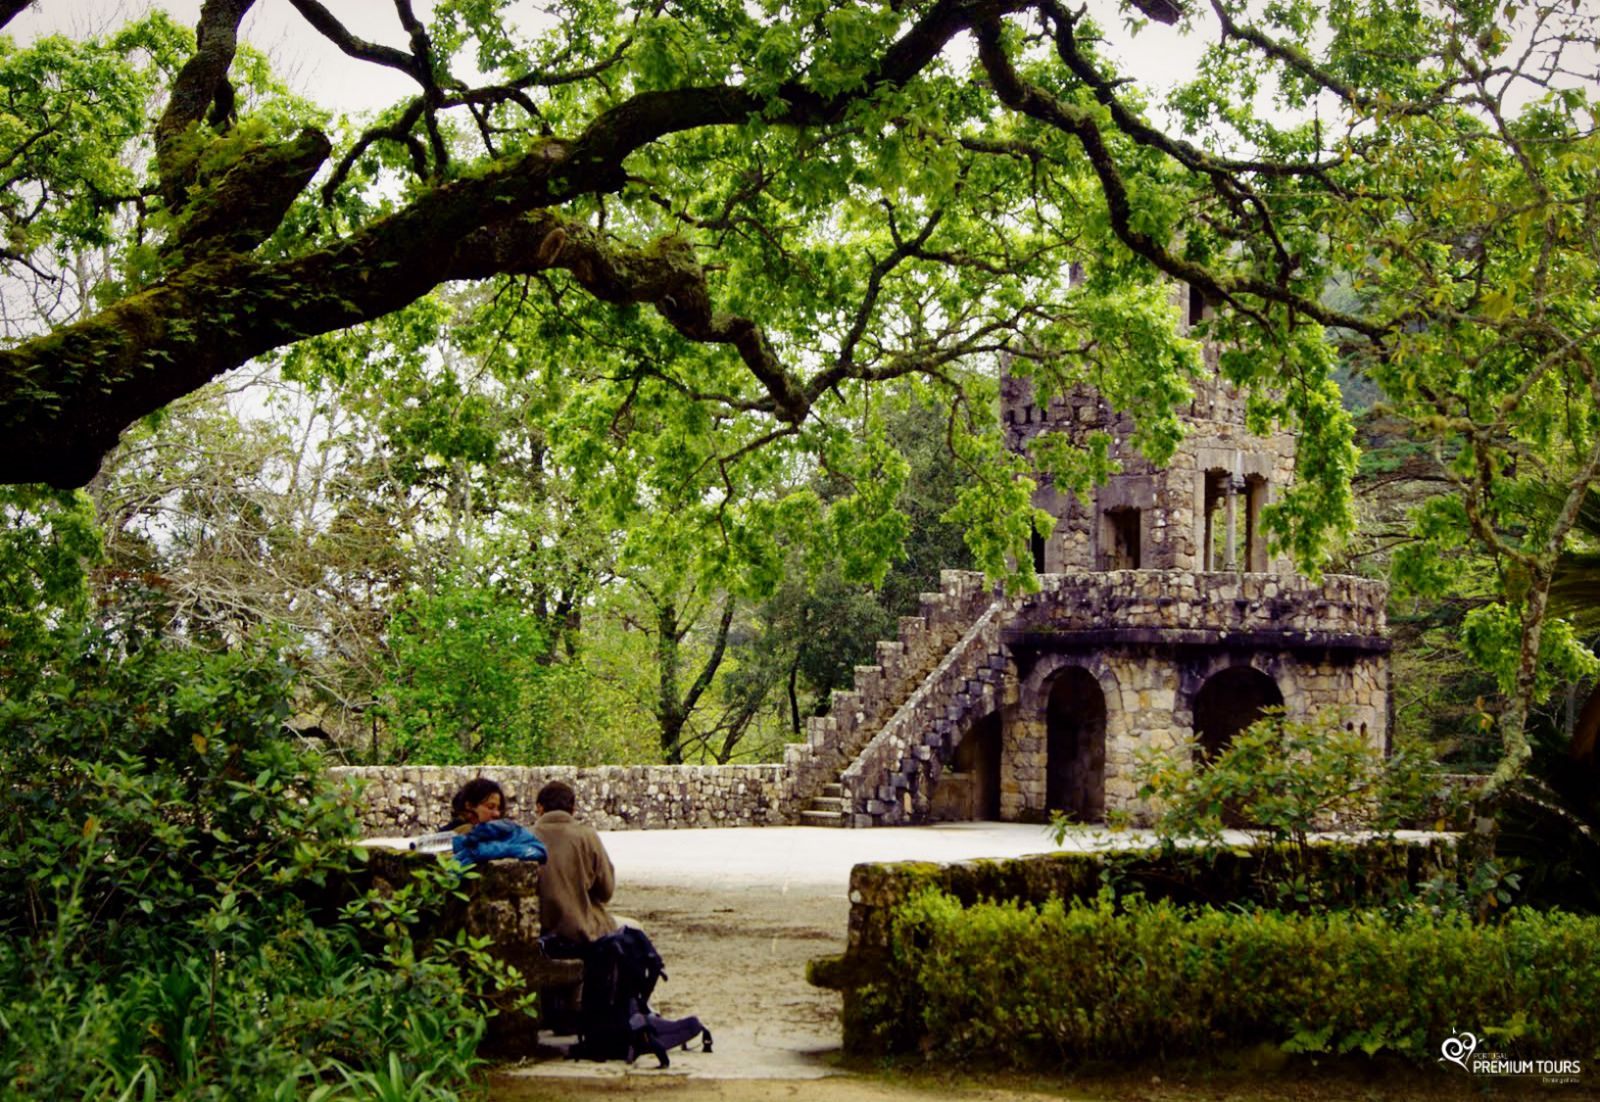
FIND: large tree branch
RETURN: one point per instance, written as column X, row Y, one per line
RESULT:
column 195, row 89
column 1080, row 123
column 666, row 275
column 10, row 9
column 65, row 397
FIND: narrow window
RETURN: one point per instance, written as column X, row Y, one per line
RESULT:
column 1214, row 539
column 1255, row 537
column 1121, row 532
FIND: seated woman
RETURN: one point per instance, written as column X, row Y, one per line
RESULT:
column 476, row 816
column 479, row 801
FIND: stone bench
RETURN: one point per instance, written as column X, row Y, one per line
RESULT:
column 502, row 904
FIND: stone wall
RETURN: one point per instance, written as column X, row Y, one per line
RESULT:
column 500, row 904
column 1207, row 604
column 414, row 799
column 404, row 800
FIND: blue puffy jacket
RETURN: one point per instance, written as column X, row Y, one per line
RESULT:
column 495, row 839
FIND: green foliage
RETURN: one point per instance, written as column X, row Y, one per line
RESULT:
column 48, row 540
column 170, row 857
column 1493, row 637
column 1283, row 781
column 465, row 664
column 71, row 112
column 1130, row 979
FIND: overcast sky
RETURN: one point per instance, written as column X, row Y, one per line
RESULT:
column 303, row 58
column 315, row 68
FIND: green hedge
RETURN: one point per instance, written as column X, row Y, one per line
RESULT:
column 1348, row 875
column 1112, row 979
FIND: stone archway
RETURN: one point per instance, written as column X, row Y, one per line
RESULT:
column 1075, row 746
column 1229, row 702
column 969, row 789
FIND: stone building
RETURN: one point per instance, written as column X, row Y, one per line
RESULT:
column 1163, row 620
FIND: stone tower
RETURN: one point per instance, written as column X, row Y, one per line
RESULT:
column 1162, row 622
column 1201, row 512
column 1164, row 619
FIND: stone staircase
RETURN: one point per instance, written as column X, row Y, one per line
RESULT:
column 891, row 780
column 857, row 715
column 826, row 809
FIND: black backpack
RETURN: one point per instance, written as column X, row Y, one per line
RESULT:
column 615, row 1021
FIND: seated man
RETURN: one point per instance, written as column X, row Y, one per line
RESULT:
column 578, row 878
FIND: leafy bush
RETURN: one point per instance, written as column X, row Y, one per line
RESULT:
column 1284, row 781
column 1112, row 979
column 167, row 859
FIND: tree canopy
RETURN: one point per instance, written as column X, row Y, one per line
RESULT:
column 740, row 226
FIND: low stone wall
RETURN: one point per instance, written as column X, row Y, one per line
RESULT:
column 403, row 800
column 1226, row 876
column 500, row 903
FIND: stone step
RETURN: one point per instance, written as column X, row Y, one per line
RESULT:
column 826, row 803
column 822, row 818
column 833, row 791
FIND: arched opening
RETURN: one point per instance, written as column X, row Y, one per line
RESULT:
column 969, row 788
column 1229, row 702
column 1075, row 746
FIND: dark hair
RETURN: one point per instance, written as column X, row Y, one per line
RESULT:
column 475, row 792
column 557, row 796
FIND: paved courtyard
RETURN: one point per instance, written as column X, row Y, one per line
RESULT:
column 737, row 913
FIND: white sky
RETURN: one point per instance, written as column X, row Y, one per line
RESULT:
column 315, row 68
column 308, row 62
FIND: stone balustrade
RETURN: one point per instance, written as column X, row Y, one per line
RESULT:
column 856, row 716
column 889, row 781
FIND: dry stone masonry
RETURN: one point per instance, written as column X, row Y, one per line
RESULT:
column 405, row 800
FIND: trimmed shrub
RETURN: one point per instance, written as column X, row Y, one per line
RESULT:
column 1116, row 979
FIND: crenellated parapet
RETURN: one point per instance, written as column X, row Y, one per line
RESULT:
column 1135, row 605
